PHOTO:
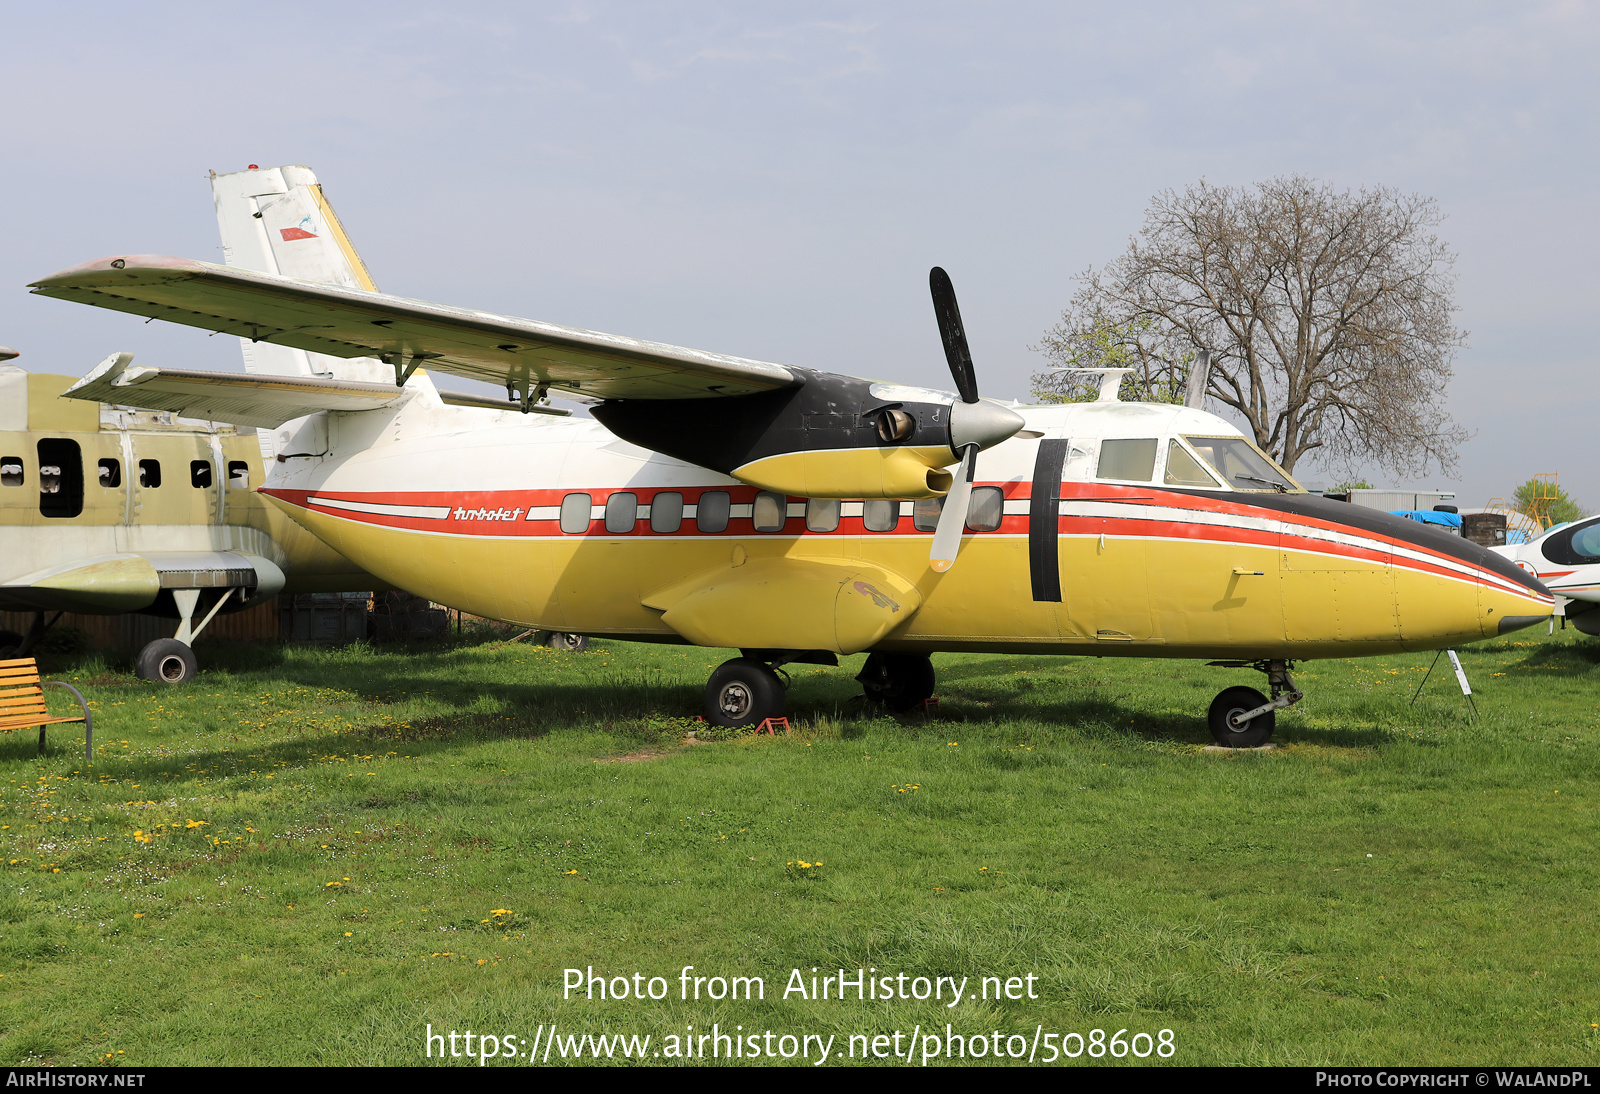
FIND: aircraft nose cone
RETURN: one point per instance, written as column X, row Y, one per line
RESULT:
column 982, row 423
column 7, row 353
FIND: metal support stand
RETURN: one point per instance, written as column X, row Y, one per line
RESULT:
column 1461, row 678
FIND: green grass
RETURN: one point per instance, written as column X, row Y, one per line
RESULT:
column 292, row 860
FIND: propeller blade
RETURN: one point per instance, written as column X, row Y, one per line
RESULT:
column 953, row 334
column 947, row 536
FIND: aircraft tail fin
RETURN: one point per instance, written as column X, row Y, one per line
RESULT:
column 277, row 220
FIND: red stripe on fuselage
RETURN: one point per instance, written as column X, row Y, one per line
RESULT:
column 1298, row 532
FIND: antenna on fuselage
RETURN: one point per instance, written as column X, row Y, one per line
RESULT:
column 1194, row 396
column 1110, row 381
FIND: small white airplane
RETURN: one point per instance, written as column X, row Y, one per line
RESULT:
column 1566, row 560
column 795, row 515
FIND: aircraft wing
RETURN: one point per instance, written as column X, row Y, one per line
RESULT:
column 263, row 401
column 343, row 322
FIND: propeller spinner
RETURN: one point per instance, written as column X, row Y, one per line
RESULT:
column 974, row 424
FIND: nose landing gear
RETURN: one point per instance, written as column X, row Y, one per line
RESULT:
column 1243, row 717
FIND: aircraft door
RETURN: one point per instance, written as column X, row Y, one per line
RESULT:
column 60, row 477
column 1098, row 551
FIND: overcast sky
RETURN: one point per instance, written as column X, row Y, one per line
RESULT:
column 775, row 181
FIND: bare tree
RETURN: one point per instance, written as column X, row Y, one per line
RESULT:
column 1327, row 314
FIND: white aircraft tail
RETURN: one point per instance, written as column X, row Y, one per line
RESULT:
column 276, row 220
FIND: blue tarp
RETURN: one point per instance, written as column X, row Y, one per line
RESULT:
column 1428, row 516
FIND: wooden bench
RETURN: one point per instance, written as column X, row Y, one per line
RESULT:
column 22, row 702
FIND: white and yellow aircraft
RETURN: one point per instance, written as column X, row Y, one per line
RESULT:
column 793, row 514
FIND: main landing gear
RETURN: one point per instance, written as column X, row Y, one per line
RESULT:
column 166, row 661
column 1243, row 717
column 743, row 692
column 172, row 660
column 748, row 690
column 898, row 681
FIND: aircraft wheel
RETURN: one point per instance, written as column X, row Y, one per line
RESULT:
column 568, row 643
column 898, row 681
column 1231, row 703
column 742, row 693
column 10, row 642
column 167, row 661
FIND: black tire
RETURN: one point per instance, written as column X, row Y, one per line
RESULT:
column 1235, row 701
column 898, row 681
column 567, row 643
column 10, row 643
column 167, row 661
column 743, row 693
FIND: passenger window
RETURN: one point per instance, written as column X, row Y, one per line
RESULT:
column 10, row 470
column 711, row 515
column 986, row 508
column 60, row 478
column 925, row 514
column 110, row 473
column 1183, row 469
column 770, row 511
column 575, row 513
column 880, row 514
column 666, row 511
column 238, row 474
column 150, row 473
column 822, row 514
column 200, row 474
column 622, row 510
column 1133, row 460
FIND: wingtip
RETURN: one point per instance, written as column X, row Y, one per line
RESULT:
column 114, row 266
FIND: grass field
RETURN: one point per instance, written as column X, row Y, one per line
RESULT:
column 311, row 856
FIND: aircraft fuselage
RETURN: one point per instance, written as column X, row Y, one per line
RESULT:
column 558, row 524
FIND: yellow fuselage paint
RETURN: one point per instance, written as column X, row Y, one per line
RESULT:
column 1120, row 595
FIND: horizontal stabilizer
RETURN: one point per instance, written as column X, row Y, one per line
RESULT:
column 255, row 400
column 518, row 353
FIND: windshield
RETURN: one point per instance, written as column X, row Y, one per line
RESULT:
column 1242, row 465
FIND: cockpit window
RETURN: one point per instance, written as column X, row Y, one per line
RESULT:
column 1577, row 545
column 1183, row 469
column 1586, row 542
column 1130, row 460
column 1242, row 465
